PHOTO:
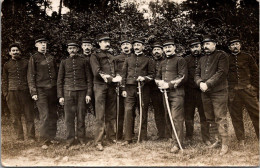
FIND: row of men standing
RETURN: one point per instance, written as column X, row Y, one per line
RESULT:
column 205, row 89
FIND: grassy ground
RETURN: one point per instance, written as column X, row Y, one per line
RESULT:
column 149, row 153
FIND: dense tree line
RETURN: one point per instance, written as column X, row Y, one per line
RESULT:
column 23, row 20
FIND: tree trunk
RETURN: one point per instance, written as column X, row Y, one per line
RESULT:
column 60, row 8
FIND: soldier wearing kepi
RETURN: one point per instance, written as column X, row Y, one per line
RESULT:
column 74, row 86
column 42, row 80
column 16, row 92
column 171, row 75
column 211, row 77
column 243, row 80
column 193, row 95
column 119, row 60
column 87, row 51
column 136, row 68
column 157, row 96
column 104, row 87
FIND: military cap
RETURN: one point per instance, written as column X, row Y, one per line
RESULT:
column 208, row 38
column 138, row 40
column 233, row 39
column 168, row 42
column 125, row 40
column 72, row 43
column 157, row 44
column 15, row 45
column 86, row 40
column 103, row 36
column 194, row 41
column 40, row 38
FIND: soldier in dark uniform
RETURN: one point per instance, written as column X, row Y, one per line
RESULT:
column 74, row 86
column 16, row 92
column 243, row 80
column 42, row 80
column 119, row 60
column 157, row 96
column 105, row 81
column 171, row 75
column 193, row 95
column 136, row 68
column 87, row 51
column 211, row 77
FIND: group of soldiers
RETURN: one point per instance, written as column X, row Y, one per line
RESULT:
column 209, row 80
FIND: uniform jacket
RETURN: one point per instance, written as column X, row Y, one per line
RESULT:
column 74, row 74
column 42, row 72
column 119, row 62
column 15, row 75
column 192, row 63
column 156, row 64
column 213, row 70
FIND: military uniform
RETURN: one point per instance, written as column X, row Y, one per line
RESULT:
column 134, row 66
column 243, row 74
column 16, row 92
column 74, row 84
column 42, row 80
column 172, row 68
column 105, row 95
column 213, row 69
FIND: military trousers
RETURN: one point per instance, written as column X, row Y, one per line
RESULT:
column 75, row 105
column 192, row 101
column 105, row 108
column 176, row 104
column 20, row 102
column 215, row 105
column 237, row 100
column 47, row 106
column 131, row 102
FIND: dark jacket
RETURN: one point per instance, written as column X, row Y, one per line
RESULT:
column 172, row 68
column 213, row 70
column 243, row 71
column 192, row 63
column 156, row 65
column 102, row 63
column 74, row 74
column 135, row 66
column 119, row 62
column 42, row 72
column 15, row 75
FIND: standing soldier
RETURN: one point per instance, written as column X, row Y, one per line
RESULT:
column 119, row 60
column 16, row 92
column 87, row 51
column 104, row 88
column 137, row 68
column 74, row 90
column 211, row 77
column 243, row 83
column 42, row 80
column 157, row 96
column 193, row 95
column 171, row 70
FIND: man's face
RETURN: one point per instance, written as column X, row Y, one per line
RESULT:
column 157, row 52
column 87, row 47
column 169, row 50
column 235, row 47
column 195, row 49
column 126, row 48
column 15, row 53
column 209, row 47
column 138, row 47
column 104, row 44
column 72, row 50
column 41, row 46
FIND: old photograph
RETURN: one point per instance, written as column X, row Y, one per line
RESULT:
column 129, row 83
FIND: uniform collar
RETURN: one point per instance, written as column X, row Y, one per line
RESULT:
column 139, row 54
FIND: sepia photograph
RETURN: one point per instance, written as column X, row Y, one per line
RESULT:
column 141, row 83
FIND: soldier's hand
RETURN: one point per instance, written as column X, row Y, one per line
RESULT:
column 124, row 93
column 118, row 78
column 35, row 97
column 88, row 99
column 61, row 101
column 203, row 86
column 165, row 85
column 104, row 76
column 140, row 78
